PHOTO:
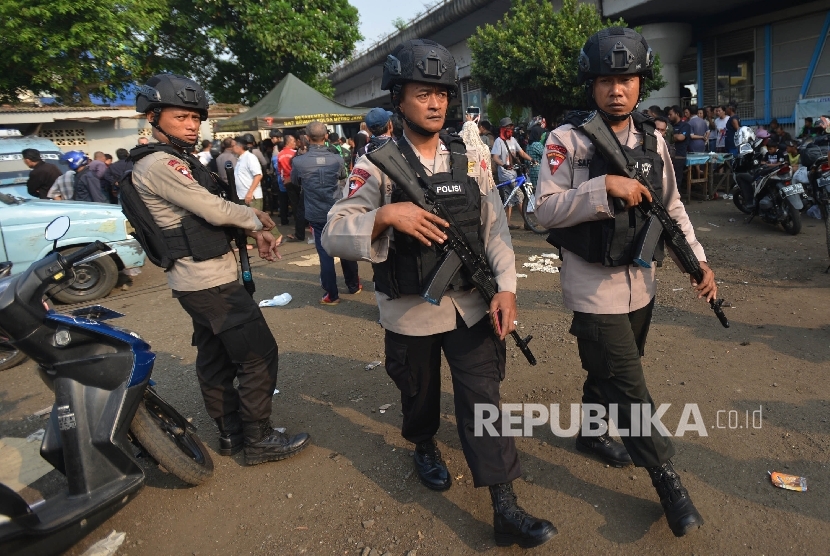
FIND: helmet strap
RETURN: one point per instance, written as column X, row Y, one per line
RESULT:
column 175, row 141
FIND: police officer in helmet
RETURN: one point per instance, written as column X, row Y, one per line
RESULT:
column 183, row 223
column 612, row 299
column 377, row 222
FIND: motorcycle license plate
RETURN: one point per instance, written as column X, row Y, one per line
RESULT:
column 794, row 189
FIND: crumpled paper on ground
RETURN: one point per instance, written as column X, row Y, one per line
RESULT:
column 546, row 262
column 106, row 546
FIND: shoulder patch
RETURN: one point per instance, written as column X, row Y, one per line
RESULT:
column 471, row 165
column 556, row 155
column 180, row 167
column 360, row 173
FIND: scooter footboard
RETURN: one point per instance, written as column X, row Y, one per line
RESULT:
column 62, row 521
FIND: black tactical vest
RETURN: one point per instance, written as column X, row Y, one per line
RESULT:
column 410, row 262
column 194, row 237
column 612, row 241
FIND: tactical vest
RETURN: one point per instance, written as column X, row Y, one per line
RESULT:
column 194, row 237
column 612, row 241
column 410, row 262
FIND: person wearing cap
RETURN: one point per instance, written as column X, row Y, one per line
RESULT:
column 506, row 152
column 793, row 158
column 377, row 222
column 612, row 299
column 379, row 122
column 230, row 334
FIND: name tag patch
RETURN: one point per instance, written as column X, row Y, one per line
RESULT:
column 449, row 189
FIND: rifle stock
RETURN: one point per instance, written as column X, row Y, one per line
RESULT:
column 239, row 235
column 619, row 163
column 391, row 162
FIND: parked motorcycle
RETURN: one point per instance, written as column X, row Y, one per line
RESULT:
column 106, row 411
column 777, row 200
column 818, row 176
column 10, row 356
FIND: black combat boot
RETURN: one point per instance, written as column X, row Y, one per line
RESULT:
column 514, row 525
column 680, row 512
column 430, row 466
column 263, row 443
column 230, row 434
column 611, row 452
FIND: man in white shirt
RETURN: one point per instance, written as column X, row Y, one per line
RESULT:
column 204, row 155
column 720, row 126
column 248, row 175
column 506, row 151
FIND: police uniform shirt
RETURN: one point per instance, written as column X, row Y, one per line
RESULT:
column 566, row 197
column 170, row 192
column 348, row 234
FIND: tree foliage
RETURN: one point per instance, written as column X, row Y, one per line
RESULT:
column 73, row 49
column 530, row 57
column 237, row 49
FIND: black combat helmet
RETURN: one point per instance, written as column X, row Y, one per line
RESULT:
column 422, row 61
column 167, row 89
column 615, row 51
column 418, row 61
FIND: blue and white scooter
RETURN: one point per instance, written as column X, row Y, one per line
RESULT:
column 105, row 409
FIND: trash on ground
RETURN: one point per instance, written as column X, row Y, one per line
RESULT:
column 276, row 301
column 543, row 263
column 276, row 391
column 814, row 212
column 715, row 225
column 521, row 276
column 42, row 412
column 788, row 482
column 372, row 365
column 311, row 260
column 677, row 289
column 384, row 407
column 106, row 546
column 36, row 436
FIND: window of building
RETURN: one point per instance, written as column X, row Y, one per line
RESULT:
column 736, row 80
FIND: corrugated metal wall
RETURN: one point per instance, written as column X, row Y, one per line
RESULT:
column 793, row 43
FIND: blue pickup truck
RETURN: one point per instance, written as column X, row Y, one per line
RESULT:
column 22, row 222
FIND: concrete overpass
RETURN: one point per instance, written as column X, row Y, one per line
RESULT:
column 692, row 39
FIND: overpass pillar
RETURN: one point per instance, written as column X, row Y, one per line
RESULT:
column 670, row 41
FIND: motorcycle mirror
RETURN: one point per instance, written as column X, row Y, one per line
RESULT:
column 56, row 229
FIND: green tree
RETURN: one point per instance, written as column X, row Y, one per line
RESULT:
column 239, row 49
column 73, row 49
column 530, row 57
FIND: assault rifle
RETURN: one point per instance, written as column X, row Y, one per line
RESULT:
column 660, row 223
column 458, row 253
column 239, row 237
